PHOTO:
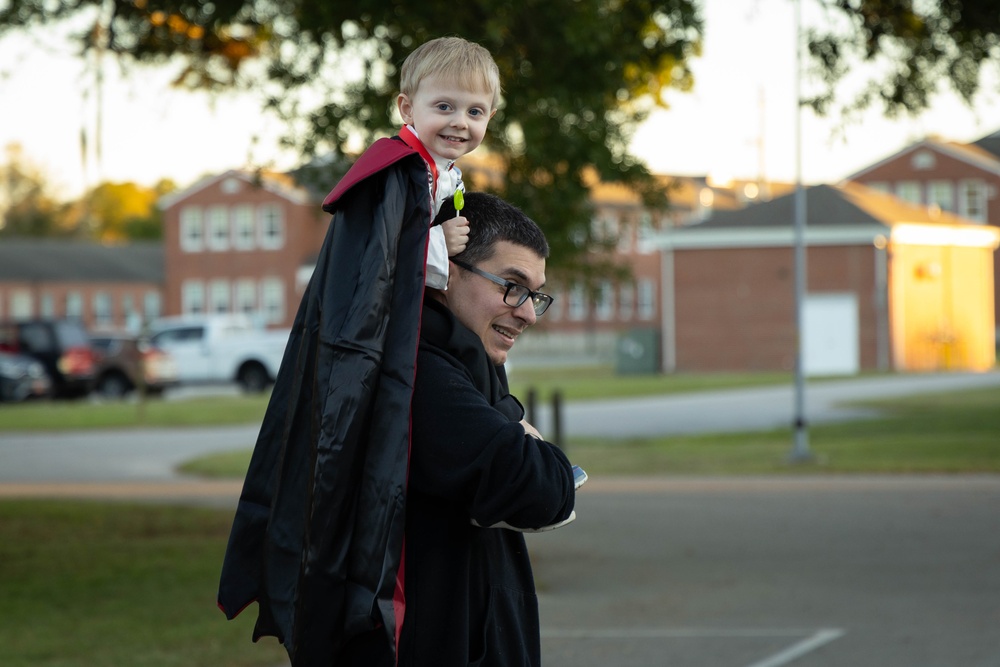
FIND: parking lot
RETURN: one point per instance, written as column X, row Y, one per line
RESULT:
column 763, row 572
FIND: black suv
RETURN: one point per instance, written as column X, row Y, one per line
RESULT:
column 63, row 348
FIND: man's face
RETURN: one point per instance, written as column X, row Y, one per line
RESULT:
column 450, row 119
column 478, row 303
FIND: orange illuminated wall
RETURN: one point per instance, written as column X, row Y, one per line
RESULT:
column 941, row 297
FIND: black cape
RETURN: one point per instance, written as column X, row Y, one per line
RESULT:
column 318, row 534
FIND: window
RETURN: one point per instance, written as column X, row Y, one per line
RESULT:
column 74, row 306
column 193, row 297
column 923, row 160
column 192, row 232
column 152, row 306
column 626, row 231
column 21, row 305
column 647, row 299
column 972, row 200
column 272, row 227
column 272, row 297
column 230, row 186
column 245, row 296
column 577, row 303
column 626, row 301
column 605, row 301
column 243, row 237
column 645, row 231
column 103, row 316
column 941, row 194
column 218, row 296
column 47, row 308
column 908, row 191
column 554, row 313
column 218, row 228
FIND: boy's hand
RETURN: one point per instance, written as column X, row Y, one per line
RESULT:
column 456, row 234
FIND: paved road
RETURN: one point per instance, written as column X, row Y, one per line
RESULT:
column 688, row 572
column 152, row 454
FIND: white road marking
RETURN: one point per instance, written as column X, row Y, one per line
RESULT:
column 796, row 651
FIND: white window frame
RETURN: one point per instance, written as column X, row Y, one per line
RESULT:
column 193, row 297
column 646, row 299
column 103, row 309
column 217, row 218
column 243, row 227
column 941, row 194
column 74, row 305
column 272, row 300
column 577, row 303
column 626, row 301
column 21, row 304
column 152, row 305
column 909, row 191
column 218, row 296
column 245, row 296
column 605, row 308
column 192, row 229
column 972, row 199
column 271, row 223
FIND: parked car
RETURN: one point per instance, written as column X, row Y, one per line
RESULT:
column 126, row 363
column 62, row 347
column 214, row 349
column 21, row 378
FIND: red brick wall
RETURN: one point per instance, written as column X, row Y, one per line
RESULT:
column 735, row 308
column 305, row 227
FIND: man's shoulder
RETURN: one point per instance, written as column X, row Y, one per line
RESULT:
column 382, row 154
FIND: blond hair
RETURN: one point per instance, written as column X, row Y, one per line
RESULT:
column 452, row 58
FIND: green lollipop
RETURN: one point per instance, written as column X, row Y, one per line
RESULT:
column 459, row 202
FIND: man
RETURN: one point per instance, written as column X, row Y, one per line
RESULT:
column 474, row 461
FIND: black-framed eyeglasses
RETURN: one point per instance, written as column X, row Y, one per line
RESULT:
column 515, row 294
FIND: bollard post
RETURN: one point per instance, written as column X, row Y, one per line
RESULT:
column 557, row 420
column 529, row 407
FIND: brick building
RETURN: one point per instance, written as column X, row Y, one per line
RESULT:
column 240, row 242
column 963, row 179
column 104, row 287
column 890, row 286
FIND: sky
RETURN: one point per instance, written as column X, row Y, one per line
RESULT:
column 738, row 122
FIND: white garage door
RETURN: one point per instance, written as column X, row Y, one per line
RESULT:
column 830, row 341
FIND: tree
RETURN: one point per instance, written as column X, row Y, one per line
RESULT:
column 26, row 208
column 578, row 76
column 914, row 48
column 116, row 212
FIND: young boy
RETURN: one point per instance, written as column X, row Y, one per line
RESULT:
column 449, row 90
column 317, row 539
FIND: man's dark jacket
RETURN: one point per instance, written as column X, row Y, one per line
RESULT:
column 318, row 535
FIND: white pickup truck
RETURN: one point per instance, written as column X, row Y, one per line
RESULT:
column 213, row 349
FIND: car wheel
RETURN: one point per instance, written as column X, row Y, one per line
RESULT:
column 253, row 378
column 114, row 386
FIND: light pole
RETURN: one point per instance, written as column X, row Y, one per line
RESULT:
column 800, row 449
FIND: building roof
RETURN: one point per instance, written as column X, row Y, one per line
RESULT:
column 848, row 204
column 846, row 214
column 282, row 185
column 990, row 143
column 978, row 155
column 58, row 260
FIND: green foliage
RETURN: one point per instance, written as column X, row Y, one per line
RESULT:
column 578, row 77
column 916, row 46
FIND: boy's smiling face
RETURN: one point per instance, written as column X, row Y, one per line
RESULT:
column 450, row 119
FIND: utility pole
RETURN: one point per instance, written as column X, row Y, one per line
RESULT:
column 800, row 449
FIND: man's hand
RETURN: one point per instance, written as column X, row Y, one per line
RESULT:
column 531, row 430
column 456, row 234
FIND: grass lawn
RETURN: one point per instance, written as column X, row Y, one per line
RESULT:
column 950, row 433
column 573, row 383
column 88, row 584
